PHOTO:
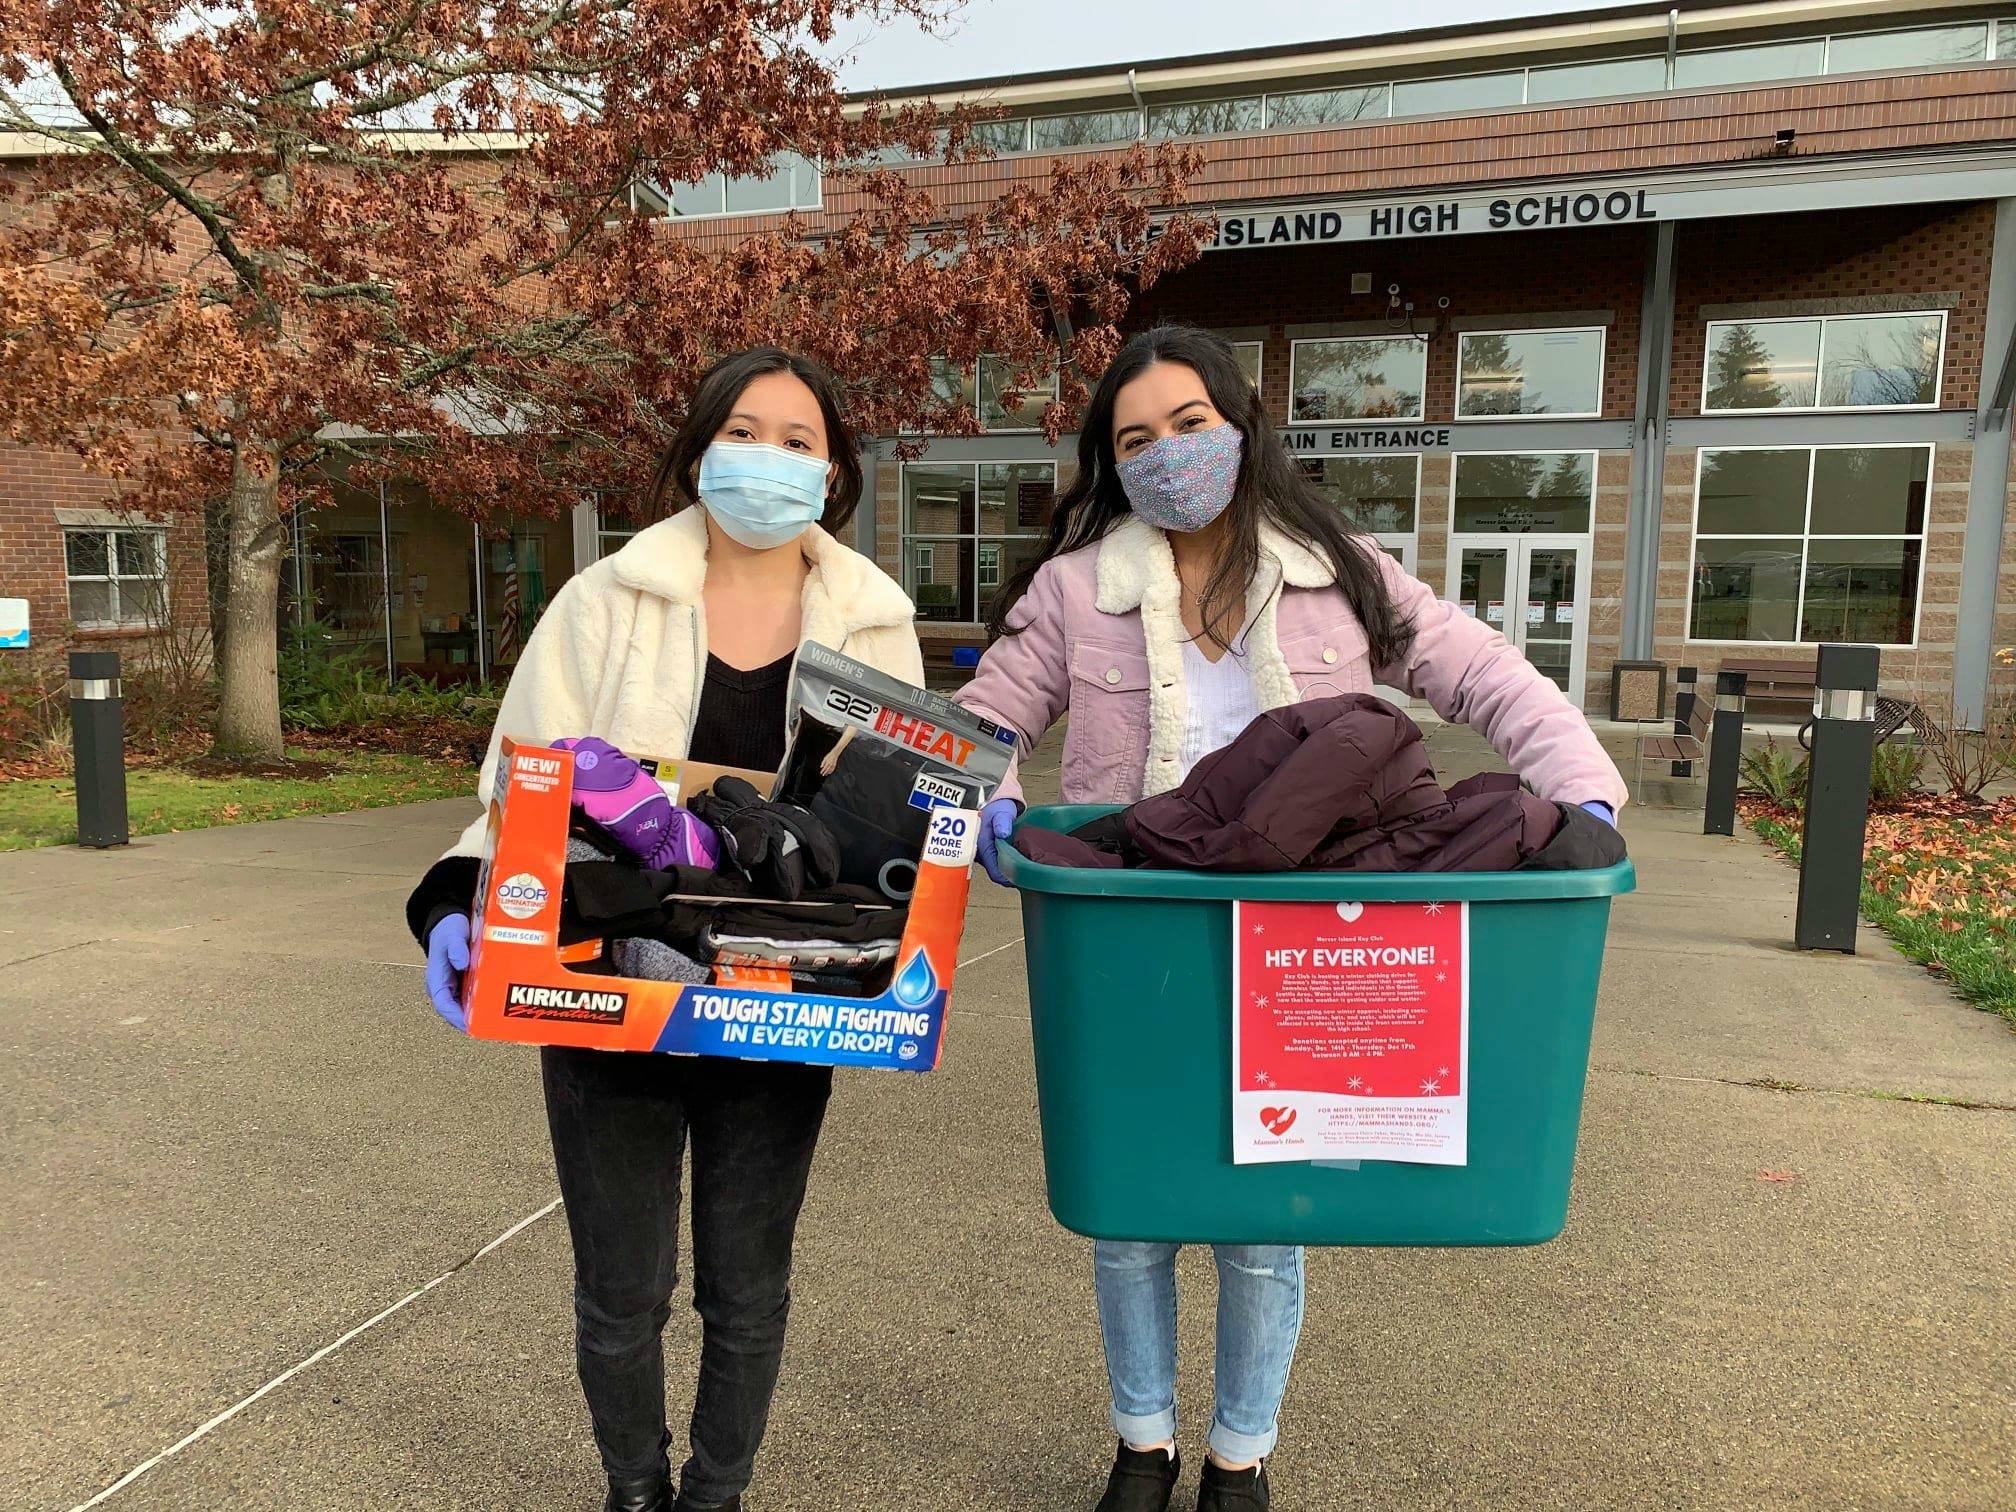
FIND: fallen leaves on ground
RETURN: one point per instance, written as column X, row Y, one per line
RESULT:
column 1939, row 874
column 1939, row 859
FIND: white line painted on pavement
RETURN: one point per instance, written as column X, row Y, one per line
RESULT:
column 321, row 1354
column 369, row 1323
column 976, row 960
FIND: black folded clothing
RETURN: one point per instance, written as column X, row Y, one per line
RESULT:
column 842, row 984
column 781, row 849
column 605, row 899
column 846, row 938
column 866, row 801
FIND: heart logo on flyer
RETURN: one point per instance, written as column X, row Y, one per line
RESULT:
column 1278, row 1120
column 1350, row 913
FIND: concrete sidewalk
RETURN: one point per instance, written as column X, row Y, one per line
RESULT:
column 235, row 1133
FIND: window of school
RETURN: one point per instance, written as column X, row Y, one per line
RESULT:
column 1797, row 59
column 967, row 528
column 986, row 393
column 1805, row 544
column 1085, row 128
column 1919, row 47
column 1508, row 373
column 793, row 184
column 116, row 577
column 1358, row 378
column 1379, row 495
column 1825, row 362
column 1250, row 354
column 1522, row 493
column 1596, row 80
column 1025, row 411
column 1329, row 107
column 1462, row 94
column 1205, row 117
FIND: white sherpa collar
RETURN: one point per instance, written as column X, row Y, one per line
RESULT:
column 669, row 559
column 1135, row 560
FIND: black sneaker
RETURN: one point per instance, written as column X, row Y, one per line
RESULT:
column 1142, row 1480
column 1233, row 1490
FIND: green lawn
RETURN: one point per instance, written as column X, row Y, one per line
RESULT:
column 160, row 800
column 1943, row 887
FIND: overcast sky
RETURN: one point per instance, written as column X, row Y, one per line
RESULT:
column 992, row 37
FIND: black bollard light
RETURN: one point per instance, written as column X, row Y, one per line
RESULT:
column 1837, row 799
column 1725, row 753
column 98, row 735
column 1686, row 680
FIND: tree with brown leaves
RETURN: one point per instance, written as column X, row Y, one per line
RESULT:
column 268, row 238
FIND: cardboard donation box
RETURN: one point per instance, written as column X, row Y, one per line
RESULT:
column 523, row 985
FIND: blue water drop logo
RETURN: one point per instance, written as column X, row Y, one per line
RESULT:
column 917, row 983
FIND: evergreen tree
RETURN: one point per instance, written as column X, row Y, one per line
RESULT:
column 1739, row 373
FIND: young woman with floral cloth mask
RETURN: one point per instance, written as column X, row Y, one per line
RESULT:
column 681, row 645
column 1191, row 579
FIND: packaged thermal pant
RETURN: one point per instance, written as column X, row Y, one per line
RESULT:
column 872, row 757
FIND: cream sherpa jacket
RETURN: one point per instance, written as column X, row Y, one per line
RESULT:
column 621, row 650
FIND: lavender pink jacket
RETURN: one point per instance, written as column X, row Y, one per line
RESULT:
column 1104, row 637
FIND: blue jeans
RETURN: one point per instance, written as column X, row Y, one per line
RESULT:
column 1259, row 1320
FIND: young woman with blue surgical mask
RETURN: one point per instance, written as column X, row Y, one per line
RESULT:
column 1191, row 580
column 681, row 645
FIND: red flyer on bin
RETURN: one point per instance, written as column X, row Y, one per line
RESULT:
column 1350, row 1032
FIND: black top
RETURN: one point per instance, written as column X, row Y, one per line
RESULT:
column 741, row 718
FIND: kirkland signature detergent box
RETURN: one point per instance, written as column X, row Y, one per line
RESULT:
column 524, row 986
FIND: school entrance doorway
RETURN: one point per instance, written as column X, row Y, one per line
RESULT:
column 1520, row 554
column 1536, row 590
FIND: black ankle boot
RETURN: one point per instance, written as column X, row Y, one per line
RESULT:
column 733, row 1504
column 1142, row 1481
column 644, row 1493
column 1233, row 1490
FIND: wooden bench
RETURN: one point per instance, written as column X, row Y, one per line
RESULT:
column 1682, row 741
column 1791, row 680
column 1776, row 679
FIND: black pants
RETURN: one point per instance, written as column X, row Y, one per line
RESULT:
column 620, row 1123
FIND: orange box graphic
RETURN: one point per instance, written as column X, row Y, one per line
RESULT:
column 519, row 986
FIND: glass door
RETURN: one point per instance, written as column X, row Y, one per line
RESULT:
column 1535, row 590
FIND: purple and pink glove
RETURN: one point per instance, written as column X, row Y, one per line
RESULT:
column 625, row 802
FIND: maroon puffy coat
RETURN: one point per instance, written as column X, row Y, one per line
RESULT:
column 1334, row 784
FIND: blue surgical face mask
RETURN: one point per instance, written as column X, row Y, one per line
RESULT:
column 762, row 496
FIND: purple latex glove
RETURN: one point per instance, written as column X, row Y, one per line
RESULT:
column 447, row 959
column 997, row 823
column 626, row 803
column 1601, row 810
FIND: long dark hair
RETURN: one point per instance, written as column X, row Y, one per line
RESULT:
column 714, row 401
column 1270, row 488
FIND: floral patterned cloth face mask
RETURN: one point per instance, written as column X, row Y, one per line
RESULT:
column 1184, row 482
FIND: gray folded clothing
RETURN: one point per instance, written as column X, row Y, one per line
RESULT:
column 651, row 960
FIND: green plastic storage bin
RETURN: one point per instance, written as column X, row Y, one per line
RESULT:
column 1130, row 989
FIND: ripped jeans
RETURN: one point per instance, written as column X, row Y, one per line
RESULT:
column 1259, row 1320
